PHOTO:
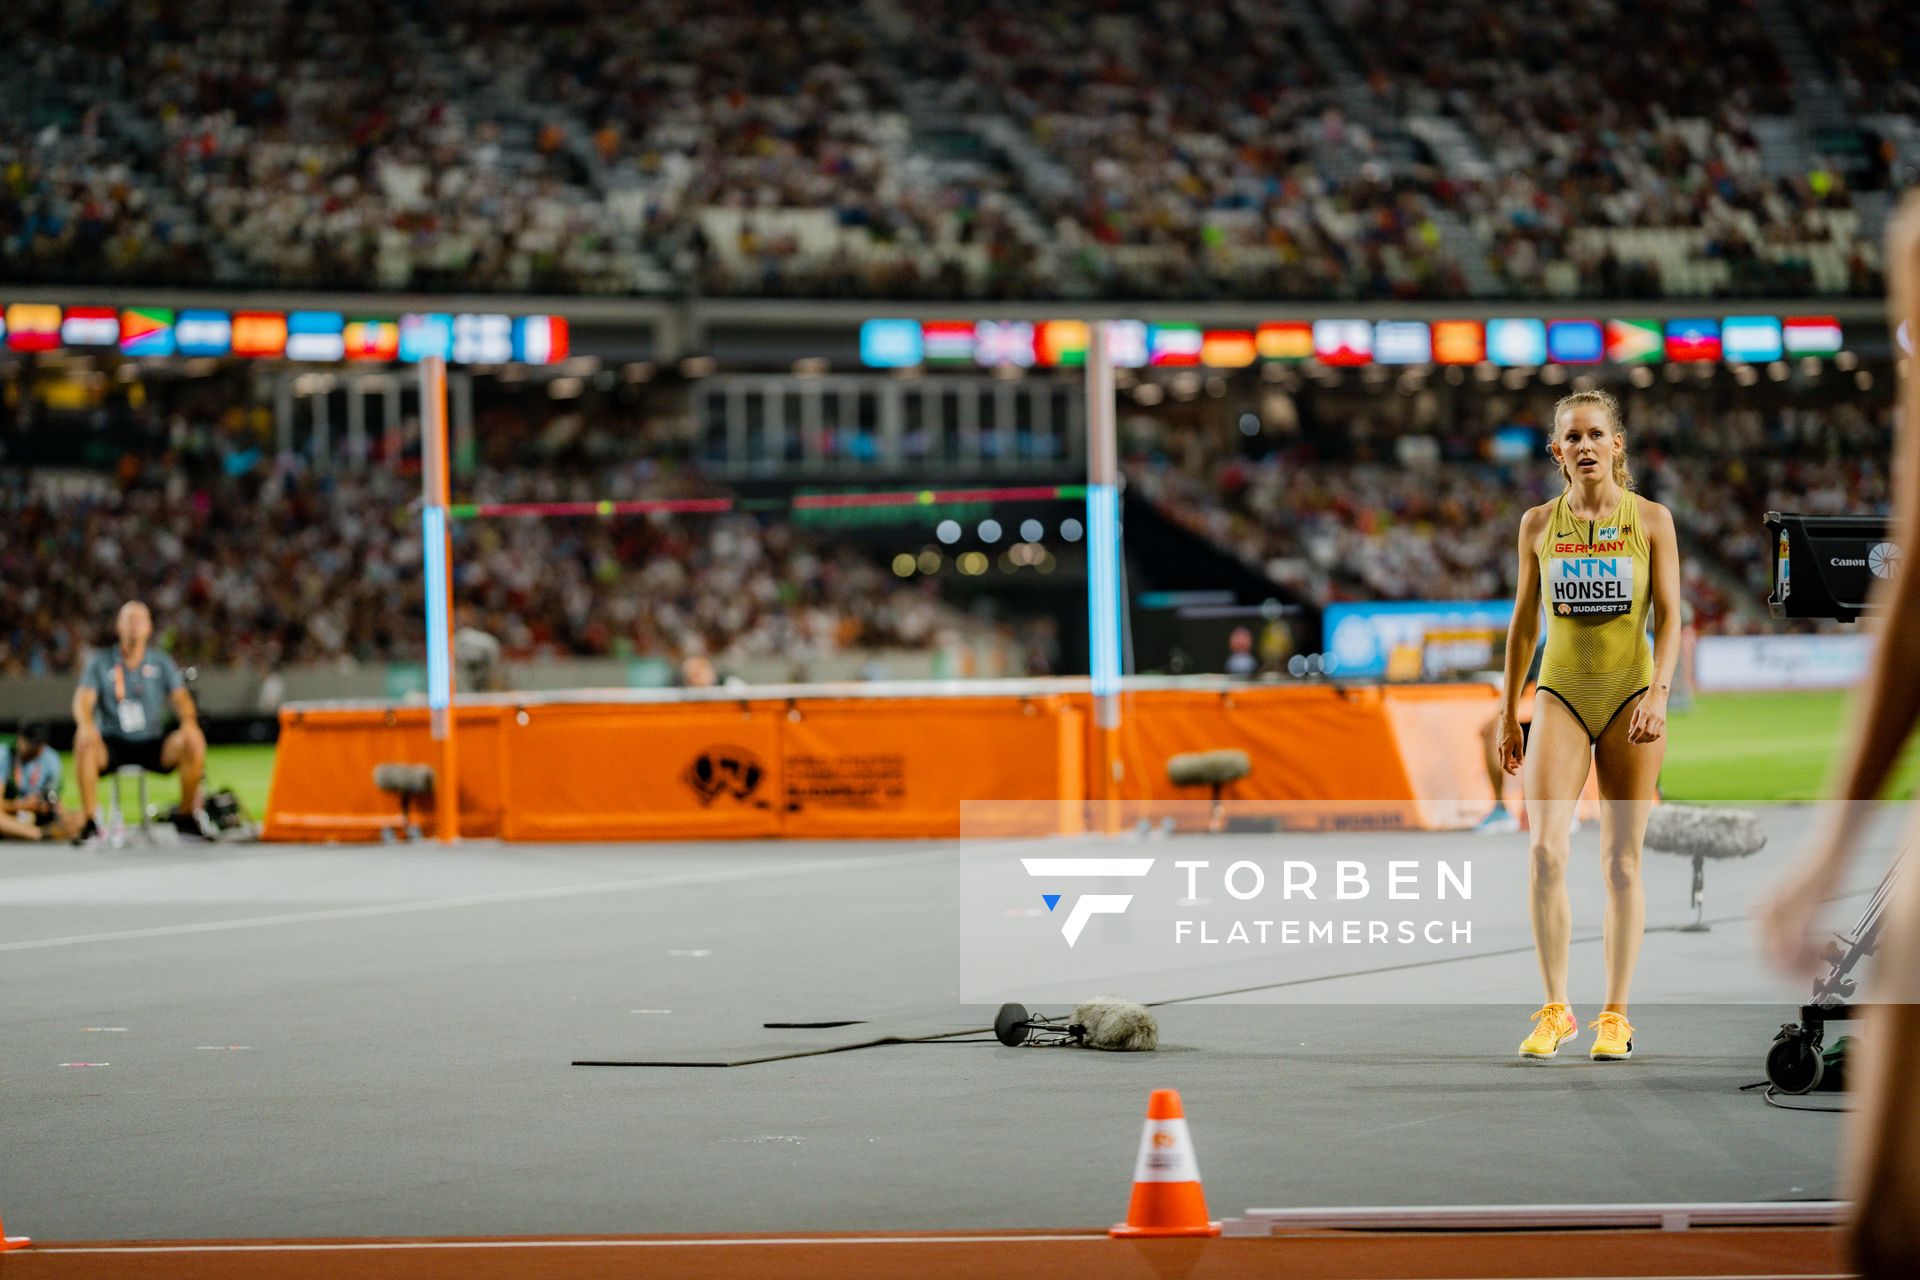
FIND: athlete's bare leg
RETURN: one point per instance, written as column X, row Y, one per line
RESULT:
column 1559, row 756
column 1627, row 772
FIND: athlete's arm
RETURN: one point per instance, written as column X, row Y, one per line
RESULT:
column 1650, row 713
column 1522, row 634
column 1883, row 708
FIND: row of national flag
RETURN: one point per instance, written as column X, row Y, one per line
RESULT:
column 320, row 336
column 1513, row 342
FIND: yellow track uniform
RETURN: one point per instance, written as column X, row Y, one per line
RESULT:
column 1596, row 582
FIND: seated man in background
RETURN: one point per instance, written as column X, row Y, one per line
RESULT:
column 120, row 716
column 30, row 771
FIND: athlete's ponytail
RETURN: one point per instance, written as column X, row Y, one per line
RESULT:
column 1611, row 407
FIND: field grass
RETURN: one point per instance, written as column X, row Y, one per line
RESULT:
column 1733, row 748
column 1761, row 748
column 247, row 769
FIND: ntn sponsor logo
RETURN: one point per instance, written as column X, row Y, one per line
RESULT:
column 1612, row 567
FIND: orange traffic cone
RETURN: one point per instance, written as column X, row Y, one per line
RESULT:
column 1167, row 1196
column 11, row 1242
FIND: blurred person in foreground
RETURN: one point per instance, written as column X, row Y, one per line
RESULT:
column 1881, row 1154
column 120, row 717
column 31, row 773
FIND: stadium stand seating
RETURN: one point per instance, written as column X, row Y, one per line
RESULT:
column 888, row 150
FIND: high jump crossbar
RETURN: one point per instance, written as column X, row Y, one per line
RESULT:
column 1101, row 493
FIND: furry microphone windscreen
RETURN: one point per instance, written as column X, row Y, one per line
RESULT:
column 1117, row 1025
column 1703, row 832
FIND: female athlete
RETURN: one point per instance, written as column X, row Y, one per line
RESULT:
column 1596, row 557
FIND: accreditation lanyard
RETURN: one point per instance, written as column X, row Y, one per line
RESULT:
column 132, row 713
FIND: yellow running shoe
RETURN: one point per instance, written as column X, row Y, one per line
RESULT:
column 1553, row 1026
column 1612, row 1037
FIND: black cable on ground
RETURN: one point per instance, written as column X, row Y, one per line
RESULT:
column 939, row 1038
column 1773, row 1095
column 951, row 1037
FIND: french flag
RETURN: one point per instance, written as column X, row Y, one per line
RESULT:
column 541, row 339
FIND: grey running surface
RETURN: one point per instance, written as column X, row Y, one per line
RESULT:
column 362, row 1041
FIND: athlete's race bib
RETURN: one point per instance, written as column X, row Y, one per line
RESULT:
column 1590, row 585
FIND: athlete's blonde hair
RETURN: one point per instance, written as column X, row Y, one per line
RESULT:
column 1609, row 406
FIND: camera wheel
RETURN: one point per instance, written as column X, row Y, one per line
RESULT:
column 1793, row 1063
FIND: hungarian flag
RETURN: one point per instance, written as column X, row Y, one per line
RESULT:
column 1693, row 340
column 948, row 341
column 1812, row 335
column 1634, row 341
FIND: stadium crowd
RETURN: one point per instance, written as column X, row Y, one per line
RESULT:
column 933, row 150
column 279, row 566
column 1386, row 530
column 259, row 561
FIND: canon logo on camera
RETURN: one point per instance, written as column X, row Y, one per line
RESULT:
column 1879, row 560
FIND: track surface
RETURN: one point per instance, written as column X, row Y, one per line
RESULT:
column 334, row 1042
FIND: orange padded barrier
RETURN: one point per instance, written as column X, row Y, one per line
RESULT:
column 873, row 767
column 1321, row 756
column 832, row 766
column 651, row 771
column 323, row 771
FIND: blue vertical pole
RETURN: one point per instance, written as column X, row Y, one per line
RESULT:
column 438, row 585
column 1103, row 570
